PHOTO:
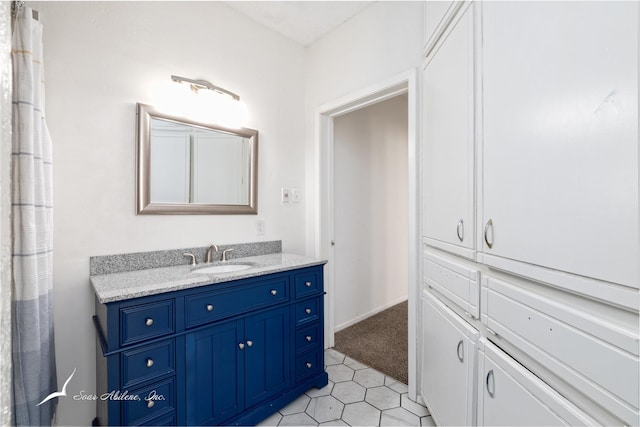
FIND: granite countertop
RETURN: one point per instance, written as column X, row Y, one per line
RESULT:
column 133, row 284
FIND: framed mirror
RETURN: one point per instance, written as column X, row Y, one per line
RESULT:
column 185, row 166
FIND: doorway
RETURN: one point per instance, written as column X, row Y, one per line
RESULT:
column 403, row 88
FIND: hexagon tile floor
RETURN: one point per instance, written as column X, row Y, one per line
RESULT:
column 355, row 396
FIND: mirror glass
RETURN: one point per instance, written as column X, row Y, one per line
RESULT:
column 187, row 166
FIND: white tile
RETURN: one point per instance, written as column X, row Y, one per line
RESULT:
column 334, row 423
column 414, row 407
column 349, row 392
column 273, row 420
column 325, row 408
column 399, row 417
column 298, row 420
column 427, row 421
column 297, row 406
column 333, row 357
column 324, row 391
column 339, row 373
column 395, row 385
column 383, row 397
column 369, row 378
column 361, row 414
column 354, row 364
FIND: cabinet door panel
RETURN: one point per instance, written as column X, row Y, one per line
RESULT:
column 560, row 135
column 448, row 364
column 214, row 371
column 448, row 139
column 512, row 396
column 267, row 355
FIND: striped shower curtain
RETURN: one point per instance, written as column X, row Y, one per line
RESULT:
column 34, row 370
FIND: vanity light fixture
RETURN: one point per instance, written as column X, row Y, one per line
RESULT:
column 205, row 101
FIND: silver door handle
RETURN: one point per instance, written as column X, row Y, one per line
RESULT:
column 209, row 307
column 274, row 292
column 307, row 310
column 308, row 338
column 249, row 343
column 307, row 284
column 309, row 365
column 241, row 346
column 148, row 321
column 491, row 389
column 460, row 351
column 149, row 362
column 460, row 230
column 486, row 233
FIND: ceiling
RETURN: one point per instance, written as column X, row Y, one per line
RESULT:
column 301, row 21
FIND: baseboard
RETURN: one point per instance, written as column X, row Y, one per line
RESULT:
column 360, row 318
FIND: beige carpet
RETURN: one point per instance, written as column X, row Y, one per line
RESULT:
column 379, row 342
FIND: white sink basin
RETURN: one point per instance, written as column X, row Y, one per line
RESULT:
column 222, row 268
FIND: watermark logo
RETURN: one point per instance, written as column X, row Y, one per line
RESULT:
column 58, row 393
column 117, row 395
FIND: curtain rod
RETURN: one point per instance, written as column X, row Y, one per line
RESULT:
column 19, row 4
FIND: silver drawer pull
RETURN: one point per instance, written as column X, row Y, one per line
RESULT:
column 491, row 389
column 460, row 230
column 486, row 233
column 149, row 362
column 274, row 292
column 150, row 404
column 307, row 284
column 460, row 351
column 249, row 343
column 307, row 310
column 241, row 346
column 149, row 321
column 309, row 365
column 209, row 307
column 308, row 338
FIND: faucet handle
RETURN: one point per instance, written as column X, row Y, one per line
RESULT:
column 193, row 258
column 224, row 254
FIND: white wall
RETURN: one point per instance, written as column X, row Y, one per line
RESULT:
column 381, row 42
column 100, row 59
column 371, row 210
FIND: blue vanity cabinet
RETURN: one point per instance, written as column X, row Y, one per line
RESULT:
column 223, row 354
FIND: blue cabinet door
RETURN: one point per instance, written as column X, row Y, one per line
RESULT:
column 267, row 355
column 214, row 365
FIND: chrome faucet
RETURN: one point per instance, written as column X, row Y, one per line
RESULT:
column 209, row 251
column 224, row 254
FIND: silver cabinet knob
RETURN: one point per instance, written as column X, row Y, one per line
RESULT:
column 209, row 307
column 241, row 346
column 250, row 343
column 149, row 321
column 307, row 310
column 460, row 351
column 308, row 338
column 274, row 292
column 150, row 404
column 149, row 362
column 309, row 365
column 307, row 284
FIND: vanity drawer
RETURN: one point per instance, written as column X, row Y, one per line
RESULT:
column 308, row 310
column 155, row 401
column 142, row 322
column 307, row 337
column 209, row 306
column 307, row 284
column 148, row 362
column 308, row 364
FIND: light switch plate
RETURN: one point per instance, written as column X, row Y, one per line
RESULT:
column 295, row 195
column 285, row 196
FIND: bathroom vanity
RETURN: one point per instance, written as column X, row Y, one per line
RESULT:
column 175, row 347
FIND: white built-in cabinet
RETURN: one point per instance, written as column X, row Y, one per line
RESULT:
column 530, row 213
column 448, row 124
column 560, row 136
column 449, row 365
